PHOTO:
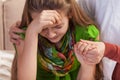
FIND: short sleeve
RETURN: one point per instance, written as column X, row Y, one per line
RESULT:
column 88, row 33
column 93, row 32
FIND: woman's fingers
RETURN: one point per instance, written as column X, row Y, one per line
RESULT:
column 18, row 30
column 15, row 36
column 88, row 52
column 18, row 23
column 88, row 48
column 93, row 56
column 14, row 41
column 13, row 32
column 14, row 29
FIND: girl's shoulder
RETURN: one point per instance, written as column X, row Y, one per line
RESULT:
column 86, row 32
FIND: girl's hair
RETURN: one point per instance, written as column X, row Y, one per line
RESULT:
column 69, row 6
column 14, row 68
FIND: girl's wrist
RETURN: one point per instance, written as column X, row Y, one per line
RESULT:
column 35, row 29
column 85, row 64
column 90, row 68
column 87, row 73
column 31, row 30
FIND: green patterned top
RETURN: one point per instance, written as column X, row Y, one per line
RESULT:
column 87, row 33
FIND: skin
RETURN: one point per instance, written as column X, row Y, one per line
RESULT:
column 84, row 70
column 53, row 26
column 39, row 23
column 94, row 52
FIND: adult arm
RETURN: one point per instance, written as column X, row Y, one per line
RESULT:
column 112, row 51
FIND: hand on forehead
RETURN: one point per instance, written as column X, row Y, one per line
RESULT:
column 53, row 16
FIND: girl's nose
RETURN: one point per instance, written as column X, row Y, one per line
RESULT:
column 51, row 34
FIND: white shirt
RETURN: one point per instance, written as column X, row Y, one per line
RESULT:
column 106, row 14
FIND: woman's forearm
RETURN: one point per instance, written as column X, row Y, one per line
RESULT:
column 86, row 73
column 112, row 51
column 27, row 61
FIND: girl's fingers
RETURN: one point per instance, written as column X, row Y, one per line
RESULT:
column 50, row 18
column 82, row 47
column 46, row 24
column 86, row 49
column 57, row 17
column 78, row 55
column 52, row 15
column 55, row 12
column 75, row 49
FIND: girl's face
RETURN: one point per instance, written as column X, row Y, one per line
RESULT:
column 54, row 33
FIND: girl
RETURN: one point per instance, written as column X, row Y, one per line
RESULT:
column 46, row 49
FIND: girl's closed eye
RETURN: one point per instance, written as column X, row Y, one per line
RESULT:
column 44, row 30
column 57, row 27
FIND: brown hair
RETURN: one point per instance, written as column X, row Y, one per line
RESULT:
column 14, row 68
column 78, row 17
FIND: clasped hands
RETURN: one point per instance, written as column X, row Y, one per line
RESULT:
column 89, row 52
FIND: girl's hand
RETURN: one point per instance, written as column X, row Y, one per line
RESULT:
column 44, row 20
column 14, row 38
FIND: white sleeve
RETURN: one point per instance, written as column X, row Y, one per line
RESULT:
column 88, row 6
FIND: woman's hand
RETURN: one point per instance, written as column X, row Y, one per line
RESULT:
column 44, row 20
column 80, row 50
column 92, row 52
column 14, row 38
column 95, row 55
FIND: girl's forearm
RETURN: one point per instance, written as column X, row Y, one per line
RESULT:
column 86, row 73
column 27, row 61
